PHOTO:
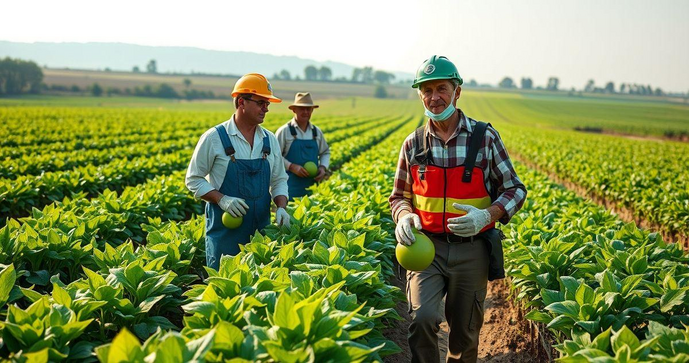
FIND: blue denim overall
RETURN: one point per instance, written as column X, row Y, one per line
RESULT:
column 246, row 179
column 300, row 152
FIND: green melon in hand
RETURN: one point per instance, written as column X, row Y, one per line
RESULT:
column 231, row 222
column 418, row 256
column 311, row 168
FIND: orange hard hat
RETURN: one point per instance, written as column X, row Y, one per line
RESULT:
column 256, row 84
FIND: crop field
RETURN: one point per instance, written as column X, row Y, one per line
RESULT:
column 102, row 249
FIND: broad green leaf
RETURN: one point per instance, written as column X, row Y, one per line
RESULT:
column 61, row 296
column 561, row 322
column 125, row 348
column 228, row 337
column 569, row 286
column 538, row 316
column 7, row 278
column 629, row 283
column 568, row 308
column 95, row 280
column 584, row 295
column 624, row 338
column 283, row 315
column 199, row 347
column 672, row 298
column 602, row 341
column 40, row 356
column 148, row 304
column 171, row 349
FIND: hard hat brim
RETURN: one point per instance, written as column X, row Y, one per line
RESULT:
column 270, row 98
column 416, row 84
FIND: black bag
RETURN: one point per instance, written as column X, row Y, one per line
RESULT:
column 496, row 261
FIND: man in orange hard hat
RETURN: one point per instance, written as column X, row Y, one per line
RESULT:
column 454, row 181
column 237, row 167
column 301, row 142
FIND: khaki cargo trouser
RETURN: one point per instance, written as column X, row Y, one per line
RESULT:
column 459, row 273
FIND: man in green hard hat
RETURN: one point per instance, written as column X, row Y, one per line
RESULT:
column 454, row 181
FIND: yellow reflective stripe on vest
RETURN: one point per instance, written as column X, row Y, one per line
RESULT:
column 435, row 205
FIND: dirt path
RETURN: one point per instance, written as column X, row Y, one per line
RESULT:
column 504, row 336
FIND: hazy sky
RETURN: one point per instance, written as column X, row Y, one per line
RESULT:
column 642, row 42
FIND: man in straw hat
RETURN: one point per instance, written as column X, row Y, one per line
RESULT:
column 302, row 142
column 237, row 167
column 454, row 181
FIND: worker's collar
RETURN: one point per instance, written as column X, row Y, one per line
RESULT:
column 233, row 130
column 294, row 123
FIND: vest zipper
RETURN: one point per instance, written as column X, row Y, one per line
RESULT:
column 445, row 189
column 444, row 196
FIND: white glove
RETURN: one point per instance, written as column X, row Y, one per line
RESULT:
column 403, row 231
column 469, row 224
column 282, row 217
column 237, row 207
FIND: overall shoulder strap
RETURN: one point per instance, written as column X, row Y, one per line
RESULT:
column 314, row 132
column 474, row 145
column 266, row 144
column 292, row 131
column 225, row 139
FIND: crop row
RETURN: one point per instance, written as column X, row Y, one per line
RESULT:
column 74, row 133
column 37, row 130
column 17, row 197
column 598, row 284
column 270, row 302
column 33, row 164
column 114, row 218
column 649, row 178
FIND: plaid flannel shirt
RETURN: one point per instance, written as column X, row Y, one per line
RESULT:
column 497, row 168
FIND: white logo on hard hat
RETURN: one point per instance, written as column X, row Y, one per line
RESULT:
column 429, row 69
column 270, row 88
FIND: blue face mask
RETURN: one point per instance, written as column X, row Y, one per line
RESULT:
column 440, row 117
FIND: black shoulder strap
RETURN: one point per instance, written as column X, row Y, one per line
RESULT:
column 420, row 146
column 474, row 146
column 292, row 131
column 314, row 132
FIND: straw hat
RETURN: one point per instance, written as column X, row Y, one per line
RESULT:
column 302, row 99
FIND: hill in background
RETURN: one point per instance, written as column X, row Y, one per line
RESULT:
column 123, row 57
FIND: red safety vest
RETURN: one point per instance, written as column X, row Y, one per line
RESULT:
column 436, row 188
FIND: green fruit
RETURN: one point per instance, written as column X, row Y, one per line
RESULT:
column 418, row 256
column 231, row 222
column 311, row 168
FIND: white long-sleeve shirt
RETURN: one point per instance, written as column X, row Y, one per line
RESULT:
column 209, row 163
column 285, row 140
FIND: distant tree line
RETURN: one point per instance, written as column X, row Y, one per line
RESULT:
column 18, row 76
column 590, row 87
column 162, row 90
column 366, row 75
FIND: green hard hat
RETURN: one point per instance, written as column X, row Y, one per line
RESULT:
column 436, row 67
